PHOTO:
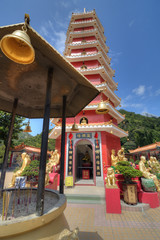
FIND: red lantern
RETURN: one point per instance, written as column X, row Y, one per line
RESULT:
column 96, row 137
column 70, row 138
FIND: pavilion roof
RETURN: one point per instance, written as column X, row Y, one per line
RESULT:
column 146, row 148
column 22, row 146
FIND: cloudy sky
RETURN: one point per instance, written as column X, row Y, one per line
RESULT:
column 133, row 37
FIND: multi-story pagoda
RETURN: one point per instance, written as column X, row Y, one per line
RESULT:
column 90, row 137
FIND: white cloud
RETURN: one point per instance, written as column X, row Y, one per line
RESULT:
column 54, row 37
column 157, row 92
column 140, row 90
column 131, row 23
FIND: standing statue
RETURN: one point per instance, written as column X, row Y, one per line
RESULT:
column 121, row 155
column 114, row 159
column 26, row 161
column 110, row 179
column 146, row 172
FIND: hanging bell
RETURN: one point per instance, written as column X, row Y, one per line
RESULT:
column 74, row 127
column 27, row 128
column 17, row 47
column 102, row 108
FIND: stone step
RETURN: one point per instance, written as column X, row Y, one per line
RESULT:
column 85, row 199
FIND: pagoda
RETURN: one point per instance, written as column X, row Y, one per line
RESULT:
column 94, row 132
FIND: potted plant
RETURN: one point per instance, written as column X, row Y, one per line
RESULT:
column 31, row 171
column 129, row 186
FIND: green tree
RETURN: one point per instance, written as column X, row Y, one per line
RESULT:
column 5, row 119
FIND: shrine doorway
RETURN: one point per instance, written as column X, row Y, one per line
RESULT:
column 84, row 163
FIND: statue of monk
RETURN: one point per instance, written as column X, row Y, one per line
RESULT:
column 110, row 179
column 55, row 158
column 114, row 159
column 146, row 172
column 26, row 161
column 121, row 155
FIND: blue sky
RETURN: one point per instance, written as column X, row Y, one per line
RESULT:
column 133, row 36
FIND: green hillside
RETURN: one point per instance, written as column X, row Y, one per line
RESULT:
column 142, row 130
column 34, row 141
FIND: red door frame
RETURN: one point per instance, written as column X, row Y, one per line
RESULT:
column 94, row 165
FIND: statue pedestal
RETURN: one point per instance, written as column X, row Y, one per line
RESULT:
column 152, row 198
column 113, row 204
column 53, row 180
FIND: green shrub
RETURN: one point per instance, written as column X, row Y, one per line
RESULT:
column 127, row 171
column 32, row 170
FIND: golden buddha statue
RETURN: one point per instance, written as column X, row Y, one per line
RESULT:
column 52, row 165
column 156, row 164
column 151, row 162
column 55, row 158
column 110, row 179
column 26, row 161
column 86, row 158
column 121, row 155
column 146, row 172
column 84, row 121
column 114, row 159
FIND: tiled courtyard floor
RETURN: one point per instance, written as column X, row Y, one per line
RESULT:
column 94, row 224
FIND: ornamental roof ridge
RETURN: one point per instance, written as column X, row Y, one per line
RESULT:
column 105, row 86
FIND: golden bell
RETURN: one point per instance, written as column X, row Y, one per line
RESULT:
column 102, row 108
column 17, row 47
column 74, row 127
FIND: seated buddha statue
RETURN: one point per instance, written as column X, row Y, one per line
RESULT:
column 151, row 162
column 146, row 172
column 54, row 161
column 121, row 155
column 84, row 121
column 26, row 161
column 114, row 158
column 53, row 165
column 156, row 164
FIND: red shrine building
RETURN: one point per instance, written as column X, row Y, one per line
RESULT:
column 90, row 137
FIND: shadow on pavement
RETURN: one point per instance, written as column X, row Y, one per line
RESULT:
column 89, row 236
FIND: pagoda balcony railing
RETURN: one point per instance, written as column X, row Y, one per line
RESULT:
column 87, row 23
column 92, row 56
column 101, row 70
column 93, row 43
column 109, row 93
column 87, row 14
column 87, row 33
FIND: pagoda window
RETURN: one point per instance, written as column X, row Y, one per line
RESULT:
column 83, row 66
column 83, row 121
